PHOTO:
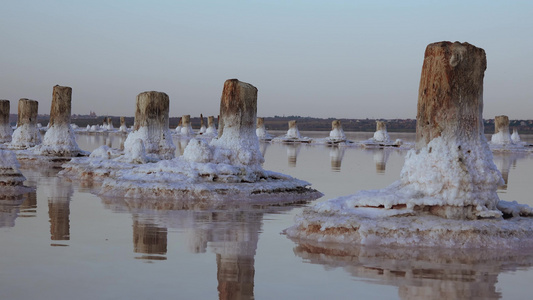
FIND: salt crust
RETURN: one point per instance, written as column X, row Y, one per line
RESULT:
column 381, row 136
column 228, row 168
column 157, row 142
column 25, row 136
column 5, row 133
column 441, row 174
column 59, row 140
column 262, row 133
column 11, row 178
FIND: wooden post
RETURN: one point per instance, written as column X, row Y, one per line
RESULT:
column 5, row 128
column 27, row 134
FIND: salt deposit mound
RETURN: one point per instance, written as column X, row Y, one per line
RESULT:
column 226, row 168
column 446, row 195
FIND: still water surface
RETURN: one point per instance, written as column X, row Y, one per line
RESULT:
column 62, row 242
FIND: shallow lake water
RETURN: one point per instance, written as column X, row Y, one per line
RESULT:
column 63, row 242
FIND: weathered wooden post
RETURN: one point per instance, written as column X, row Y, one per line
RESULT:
column 151, row 125
column 449, row 134
column 501, row 131
column 60, row 139
column 5, row 128
column 27, row 134
column 238, row 112
column 202, row 125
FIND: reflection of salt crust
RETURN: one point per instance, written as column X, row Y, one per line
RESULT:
column 454, row 182
column 25, row 136
column 11, row 179
column 59, row 140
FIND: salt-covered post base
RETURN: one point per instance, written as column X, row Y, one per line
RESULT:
column 337, row 133
column 448, row 184
column 151, row 127
column 501, row 134
column 59, row 139
column 202, row 125
column 261, row 131
column 381, row 134
column 186, row 127
column 238, row 143
column 27, row 134
column 293, row 131
column 5, row 128
column 211, row 127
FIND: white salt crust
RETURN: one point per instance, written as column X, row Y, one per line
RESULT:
column 157, row 142
column 59, row 140
column 25, row 136
column 227, row 168
column 443, row 174
column 381, row 136
column 262, row 133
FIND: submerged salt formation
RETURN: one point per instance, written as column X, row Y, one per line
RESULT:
column 501, row 134
column 27, row 134
column 211, row 128
column 261, row 131
column 5, row 128
column 59, row 139
column 186, row 128
column 448, row 179
column 151, row 127
column 227, row 168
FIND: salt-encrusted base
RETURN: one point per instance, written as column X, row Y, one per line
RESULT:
column 406, row 227
column 186, row 181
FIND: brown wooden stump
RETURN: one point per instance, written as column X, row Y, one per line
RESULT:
column 238, row 112
column 151, row 125
column 27, row 134
column 5, row 128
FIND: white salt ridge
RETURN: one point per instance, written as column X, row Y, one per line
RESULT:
column 59, row 140
column 25, row 136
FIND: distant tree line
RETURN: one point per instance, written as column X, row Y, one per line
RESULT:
column 281, row 123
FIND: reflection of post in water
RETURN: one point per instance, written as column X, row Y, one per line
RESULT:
column 336, row 154
column 59, row 193
column 423, row 273
column 28, row 208
column 504, row 161
column 59, row 211
column 292, row 153
column 380, row 158
column 148, row 238
column 235, row 247
column 10, row 209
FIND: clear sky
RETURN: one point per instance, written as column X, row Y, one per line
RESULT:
column 340, row 59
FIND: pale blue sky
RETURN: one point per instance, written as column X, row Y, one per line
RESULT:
column 341, row 59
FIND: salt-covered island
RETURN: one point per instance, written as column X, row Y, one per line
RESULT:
column 446, row 195
column 228, row 167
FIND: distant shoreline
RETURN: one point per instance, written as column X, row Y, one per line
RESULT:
column 304, row 123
